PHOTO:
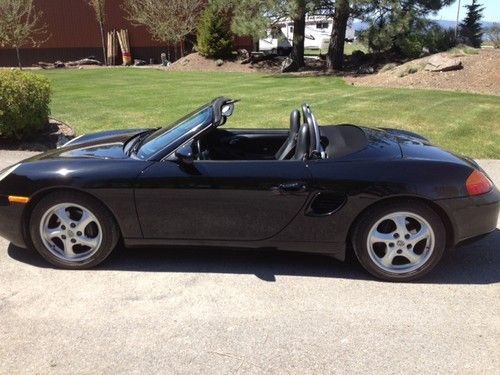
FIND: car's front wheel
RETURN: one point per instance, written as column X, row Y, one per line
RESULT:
column 399, row 241
column 72, row 230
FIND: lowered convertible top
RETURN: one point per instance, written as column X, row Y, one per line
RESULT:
column 343, row 140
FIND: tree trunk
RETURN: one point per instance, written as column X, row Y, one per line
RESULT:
column 19, row 58
column 335, row 56
column 299, row 27
column 101, row 28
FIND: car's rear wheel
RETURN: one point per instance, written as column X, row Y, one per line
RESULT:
column 399, row 241
column 72, row 230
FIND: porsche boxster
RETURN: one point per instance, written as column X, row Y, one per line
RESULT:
column 391, row 197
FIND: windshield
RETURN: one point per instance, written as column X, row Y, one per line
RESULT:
column 178, row 131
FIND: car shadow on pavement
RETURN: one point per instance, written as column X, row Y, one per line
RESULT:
column 263, row 263
column 475, row 263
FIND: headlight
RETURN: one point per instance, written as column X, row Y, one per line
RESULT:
column 8, row 171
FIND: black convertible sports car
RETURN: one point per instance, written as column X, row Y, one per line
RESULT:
column 389, row 195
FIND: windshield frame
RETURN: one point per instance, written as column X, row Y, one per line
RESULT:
column 169, row 147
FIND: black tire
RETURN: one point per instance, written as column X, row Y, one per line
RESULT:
column 372, row 216
column 110, row 233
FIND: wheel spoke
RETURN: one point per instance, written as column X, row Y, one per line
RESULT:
column 422, row 234
column 411, row 256
column 400, row 221
column 388, row 258
column 63, row 216
column 85, row 220
column 68, row 248
column 87, row 241
column 55, row 233
column 377, row 236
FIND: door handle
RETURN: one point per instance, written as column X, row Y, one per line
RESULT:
column 292, row 187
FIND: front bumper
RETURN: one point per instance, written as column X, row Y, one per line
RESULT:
column 11, row 221
column 472, row 216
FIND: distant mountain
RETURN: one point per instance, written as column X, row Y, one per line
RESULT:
column 451, row 24
column 361, row 25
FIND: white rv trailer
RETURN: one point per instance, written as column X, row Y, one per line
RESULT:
column 317, row 35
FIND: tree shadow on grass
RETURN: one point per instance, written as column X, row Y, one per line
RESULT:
column 475, row 263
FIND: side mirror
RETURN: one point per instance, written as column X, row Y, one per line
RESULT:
column 227, row 110
column 185, row 154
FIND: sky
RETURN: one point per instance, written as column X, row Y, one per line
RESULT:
column 491, row 11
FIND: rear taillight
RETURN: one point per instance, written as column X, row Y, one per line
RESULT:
column 477, row 183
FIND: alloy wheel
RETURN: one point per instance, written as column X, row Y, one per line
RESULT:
column 400, row 242
column 71, row 232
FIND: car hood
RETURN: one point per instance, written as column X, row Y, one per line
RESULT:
column 101, row 145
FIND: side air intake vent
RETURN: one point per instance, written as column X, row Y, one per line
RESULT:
column 326, row 204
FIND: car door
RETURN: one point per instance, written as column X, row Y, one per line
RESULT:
column 220, row 200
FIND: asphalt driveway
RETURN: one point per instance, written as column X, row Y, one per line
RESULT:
column 219, row 311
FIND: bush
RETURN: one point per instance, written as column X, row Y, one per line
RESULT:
column 358, row 55
column 24, row 103
column 493, row 34
column 434, row 38
column 463, row 50
column 438, row 39
column 215, row 39
column 409, row 44
column 376, row 39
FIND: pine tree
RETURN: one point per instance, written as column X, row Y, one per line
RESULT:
column 399, row 24
column 470, row 29
column 215, row 38
column 255, row 17
column 335, row 55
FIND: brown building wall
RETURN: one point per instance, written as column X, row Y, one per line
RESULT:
column 73, row 34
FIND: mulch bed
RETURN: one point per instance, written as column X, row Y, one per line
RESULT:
column 54, row 134
column 480, row 74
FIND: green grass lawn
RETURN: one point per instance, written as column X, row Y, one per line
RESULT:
column 349, row 48
column 99, row 99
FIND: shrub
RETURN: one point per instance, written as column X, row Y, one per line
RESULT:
column 358, row 55
column 24, row 103
column 215, row 39
column 434, row 38
column 376, row 39
column 409, row 44
column 411, row 47
column 438, row 39
column 493, row 34
column 463, row 50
